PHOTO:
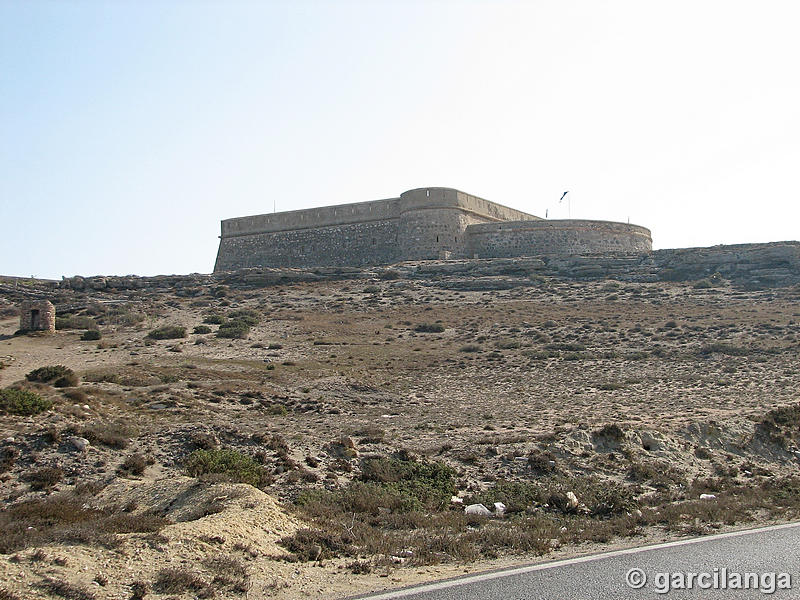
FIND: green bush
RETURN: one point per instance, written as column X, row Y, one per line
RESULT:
column 422, row 483
column 429, row 328
column 245, row 315
column 22, row 402
column 168, row 332
column 234, row 465
column 214, row 320
column 402, row 486
column 233, row 329
column 57, row 375
column 91, row 334
column 201, row 329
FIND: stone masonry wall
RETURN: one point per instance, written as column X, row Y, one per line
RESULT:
column 355, row 244
column 566, row 237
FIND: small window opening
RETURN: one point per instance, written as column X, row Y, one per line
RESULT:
column 427, row 193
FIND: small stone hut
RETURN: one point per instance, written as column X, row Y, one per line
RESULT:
column 37, row 315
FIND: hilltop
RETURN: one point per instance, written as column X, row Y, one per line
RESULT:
column 303, row 433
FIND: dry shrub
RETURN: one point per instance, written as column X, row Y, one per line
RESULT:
column 44, row 478
column 139, row 590
column 134, row 464
column 370, row 434
column 76, row 395
column 65, row 519
column 113, row 435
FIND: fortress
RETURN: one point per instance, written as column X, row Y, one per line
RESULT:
column 421, row 224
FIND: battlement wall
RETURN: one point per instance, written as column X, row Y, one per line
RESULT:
column 325, row 216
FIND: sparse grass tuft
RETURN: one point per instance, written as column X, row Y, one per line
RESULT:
column 611, row 431
column 8, row 595
column 65, row 590
column 177, row 581
column 722, row 348
column 75, row 322
column 318, row 544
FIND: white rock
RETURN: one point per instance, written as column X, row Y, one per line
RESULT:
column 456, row 500
column 79, row 443
column 572, row 500
column 477, row 509
column 499, row 508
column 85, row 407
column 707, row 497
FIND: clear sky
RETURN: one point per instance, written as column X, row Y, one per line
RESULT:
column 128, row 130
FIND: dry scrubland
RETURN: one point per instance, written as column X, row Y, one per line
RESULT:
column 315, row 454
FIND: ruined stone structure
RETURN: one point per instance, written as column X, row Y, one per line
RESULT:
column 421, row 224
column 38, row 315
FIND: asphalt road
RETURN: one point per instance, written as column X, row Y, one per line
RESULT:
column 603, row 576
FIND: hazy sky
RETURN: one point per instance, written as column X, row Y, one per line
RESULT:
column 129, row 129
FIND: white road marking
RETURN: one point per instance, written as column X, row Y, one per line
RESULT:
column 431, row 587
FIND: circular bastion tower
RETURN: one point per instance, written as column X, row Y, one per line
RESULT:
column 439, row 223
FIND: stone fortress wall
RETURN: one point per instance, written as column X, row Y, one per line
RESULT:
column 421, row 224
column 568, row 236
